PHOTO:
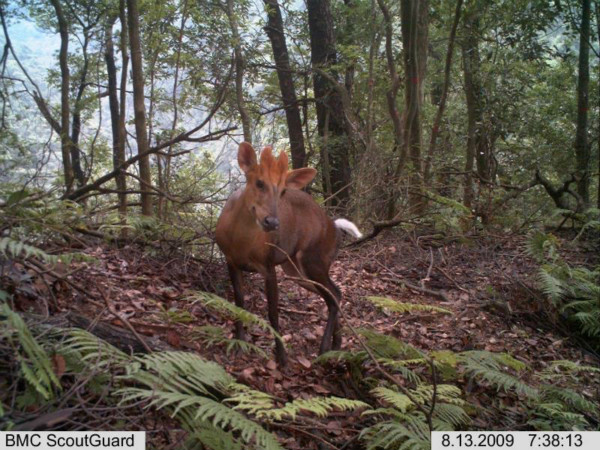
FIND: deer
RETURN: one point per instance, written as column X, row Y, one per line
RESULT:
column 272, row 222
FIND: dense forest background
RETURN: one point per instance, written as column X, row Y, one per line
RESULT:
column 462, row 137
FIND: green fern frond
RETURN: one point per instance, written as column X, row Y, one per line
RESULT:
column 569, row 367
column 205, row 410
column 205, row 435
column 319, row 406
column 412, row 433
column 571, row 398
column 180, row 372
column 262, row 405
column 454, row 415
column 231, row 311
column 18, row 249
column 487, row 368
column 35, row 363
column 553, row 416
column 386, row 346
column 398, row 400
column 400, row 367
column 550, row 285
column 342, row 356
column 402, row 308
column 250, row 400
column 214, row 336
column 91, row 348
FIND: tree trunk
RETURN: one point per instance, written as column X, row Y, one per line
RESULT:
column 76, row 123
column 437, row 123
column 598, row 137
column 328, row 99
column 65, row 141
column 582, row 149
column 240, row 65
column 392, row 92
column 479, row 147
column 414, row 18
column 118, row 156
column 167, row 166
column 276, row 35
column 124, row 38
column 139, row 106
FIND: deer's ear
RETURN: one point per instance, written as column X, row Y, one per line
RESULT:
column 246, row 156
column 297, row 179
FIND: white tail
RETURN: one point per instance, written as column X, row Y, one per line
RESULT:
column 348, row 227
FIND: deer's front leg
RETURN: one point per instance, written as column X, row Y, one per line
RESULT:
column 273, row 302
column 236, row 280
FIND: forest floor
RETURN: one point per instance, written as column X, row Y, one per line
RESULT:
column 486, row 282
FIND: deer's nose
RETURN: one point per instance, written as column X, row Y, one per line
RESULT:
column 270, row 223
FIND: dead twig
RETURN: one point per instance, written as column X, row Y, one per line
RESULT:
column 112, row 309
column 400, row 280
column 359, row 339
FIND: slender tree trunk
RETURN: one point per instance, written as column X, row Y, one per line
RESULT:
column 395, row 116
column 276, row 35
column 437, row 123
column 167, row 166
column 470, row 56
column 598, row 137
column 479, row 139
column 65, row 140
column 582, row 149
column 415, row 21
column 139, row 106
column 76, row 122
column 328, row 99
column 123, row 44
column 394, row 84
column 349, row 31
column 240, row 66
column 118, row 155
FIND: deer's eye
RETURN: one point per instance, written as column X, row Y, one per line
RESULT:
column 283, row 192
column 260, row 184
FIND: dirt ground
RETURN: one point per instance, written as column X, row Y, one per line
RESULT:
column 486, row 282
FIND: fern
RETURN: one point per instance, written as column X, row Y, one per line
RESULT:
column 402, row 308
column 212, row 335
column 91, row 348
column 386, row 346
column 231, row 311
column 205, row 409
column 542, row 247
column 575, row 291
column 34, row 362
column 319, row 406
column 263, row 407
column 18, row 249
column 189, row 387
column 399, row 401
column 487, row 367
column 407, row 433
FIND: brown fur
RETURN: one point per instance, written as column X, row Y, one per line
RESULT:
column 305, row 243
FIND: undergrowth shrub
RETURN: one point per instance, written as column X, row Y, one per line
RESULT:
column 43, row 365
column 573, row 290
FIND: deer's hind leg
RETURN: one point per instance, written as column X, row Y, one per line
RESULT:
column 317, row 271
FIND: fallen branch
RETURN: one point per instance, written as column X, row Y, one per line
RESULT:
column 114, row 312
column 424, row 290
column 378, row 227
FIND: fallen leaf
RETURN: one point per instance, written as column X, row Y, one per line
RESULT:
column 271, row 365
column 304, row 362
column 173, row 338
column 60, row 365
